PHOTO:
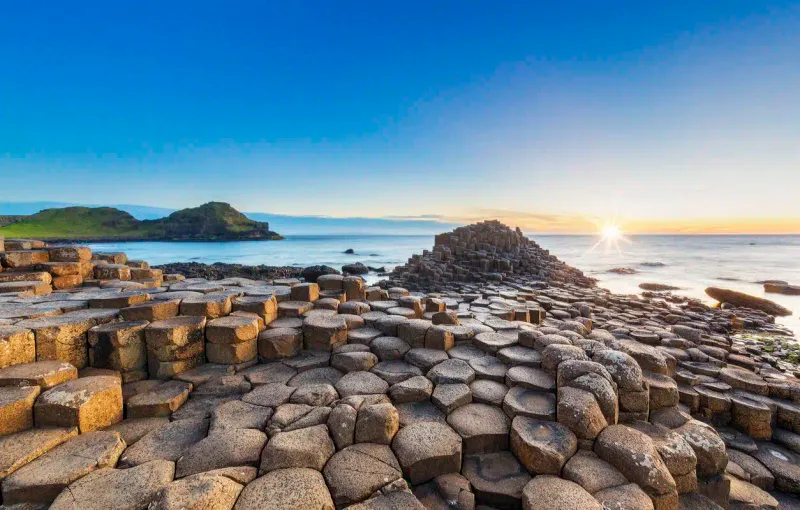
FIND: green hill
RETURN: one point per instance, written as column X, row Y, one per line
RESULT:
column 209, row 222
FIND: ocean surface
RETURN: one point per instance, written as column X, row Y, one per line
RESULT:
column 689, row 262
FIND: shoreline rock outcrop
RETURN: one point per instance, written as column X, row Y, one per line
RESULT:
column 498, row 377
column 743, row 300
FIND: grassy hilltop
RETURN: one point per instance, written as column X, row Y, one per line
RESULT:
column 214, row 221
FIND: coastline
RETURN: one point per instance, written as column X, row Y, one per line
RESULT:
column 486, row 327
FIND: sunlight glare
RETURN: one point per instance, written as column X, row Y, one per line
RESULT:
column 611, row 232
column 611, row 235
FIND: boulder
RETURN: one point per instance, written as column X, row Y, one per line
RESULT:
column 708, row 447
column 579, row 411
column 342, row 425
column 743, row 300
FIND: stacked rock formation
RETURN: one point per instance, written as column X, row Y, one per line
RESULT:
column 251, row 394
column 483, row 252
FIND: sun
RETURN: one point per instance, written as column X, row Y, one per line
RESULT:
column 611, row 235
column 611, row 232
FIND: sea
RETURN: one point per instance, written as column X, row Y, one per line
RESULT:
column 692, row 263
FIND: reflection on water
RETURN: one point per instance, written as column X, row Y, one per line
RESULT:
column 691, row 263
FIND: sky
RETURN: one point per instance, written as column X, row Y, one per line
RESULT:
column 559, row 117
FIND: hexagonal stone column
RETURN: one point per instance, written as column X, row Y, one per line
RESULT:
column 305, row 292
column 324, row 333
column 175, row 345
column 89, row 403
column 17, row 345
column 61, row 337
column 232, row 340
column 265, row 307
column 543, row 447
column 483, row 428
column 210, row 305
column 286, row 488
column 44, row 374
column 16, row 408
column 118, row 346
column 426, row 450
column 279, row 343
column 42, row 480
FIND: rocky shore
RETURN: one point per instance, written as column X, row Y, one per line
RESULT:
column 484, row 373
column 221, row 270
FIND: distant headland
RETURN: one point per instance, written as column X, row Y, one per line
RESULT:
column 213, row 221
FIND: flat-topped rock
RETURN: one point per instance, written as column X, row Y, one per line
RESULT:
column 116, row 488
column 357, row 472
column 166, row 443
column 178, row 331
column 497, row 478
column 543, row 447
column 280, row 343
column 163, row 400
column 324, row 333
column 210, row 306
column 483, row 428
column 61, row 337
column 361, row 383
column 232, row 329
column 132, row 430
column 204, row 490
column 222, row 448
column 17, row 450
column 289, row 489
column 553, row 493
column 238, row 414
column 42, row 480
column 426, row 450
column 520, row 401
column 308, row 447
column 451, row 371
column 16, row 408
column 493, row 342
column 89, row 403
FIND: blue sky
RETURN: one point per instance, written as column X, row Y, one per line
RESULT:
column 553, row 115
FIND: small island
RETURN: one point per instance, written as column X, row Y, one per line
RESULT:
column 213, row 221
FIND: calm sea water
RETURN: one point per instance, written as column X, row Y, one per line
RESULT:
column 690, row 262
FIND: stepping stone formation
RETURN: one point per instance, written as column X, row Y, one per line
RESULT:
column 483, row 373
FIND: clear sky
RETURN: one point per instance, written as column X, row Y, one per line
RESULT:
column 556, row 116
